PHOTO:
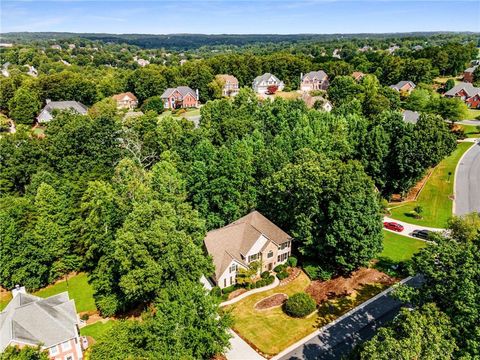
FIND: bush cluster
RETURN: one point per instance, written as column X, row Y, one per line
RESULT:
column 263, row 282
column 315, row 272
column 300, row 305
column 282, row 275
column 292, row 261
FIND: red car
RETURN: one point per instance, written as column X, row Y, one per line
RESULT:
column 393, row 226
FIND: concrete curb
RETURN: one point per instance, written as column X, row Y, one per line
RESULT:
column 455, row 178
column 347, row 314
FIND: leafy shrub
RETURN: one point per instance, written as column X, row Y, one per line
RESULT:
column 280, row 268
column 300, row 305
column 282, row 275
column 153, row 103
column 216, row 291
column 85, row 317
column 265, row 274
column 325, row 275
column 292, row 261
column 313, row 271
column 228, row 289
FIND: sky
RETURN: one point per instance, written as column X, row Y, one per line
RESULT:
column 239, row 16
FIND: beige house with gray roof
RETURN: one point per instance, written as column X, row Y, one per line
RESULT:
column 250, row 238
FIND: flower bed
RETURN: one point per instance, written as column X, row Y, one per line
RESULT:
column 271, row 301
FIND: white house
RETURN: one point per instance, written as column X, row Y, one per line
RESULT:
column 47, row 112
column 250, row 238
column 263, row 82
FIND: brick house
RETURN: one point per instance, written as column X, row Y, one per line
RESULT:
column 468, row 74
column 467, row 93
column 230, row 84
column 180, row 97
column 404, row 86
column 51, row 323
column 314, row 80
column 250, row 238
column 126, row 100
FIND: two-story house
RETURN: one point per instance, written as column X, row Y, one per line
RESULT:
column 314, row 80
column 126, row 100
column 230, row 84
column 264, row 84
column 468, row 74
column 250, row 238
column 180, row 97
column 404, row 86
column 51, row 323
column 467, row 93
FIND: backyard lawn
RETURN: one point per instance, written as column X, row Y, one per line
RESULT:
column 97, row 329
column 435, row 198
column 471, row 131
column 472, row 114
column 398, row 248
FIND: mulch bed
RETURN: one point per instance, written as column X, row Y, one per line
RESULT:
column 292, row 275
column 271, row 301
column 344, row 286
column 236, row 293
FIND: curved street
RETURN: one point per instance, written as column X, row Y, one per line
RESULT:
column 467, row 182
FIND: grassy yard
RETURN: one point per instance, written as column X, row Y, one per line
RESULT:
column 471, row 131
column 97, row 329
column 5, row 298
column 398, row 248
column 435, row 196
column 189, row 112
column 472, row 114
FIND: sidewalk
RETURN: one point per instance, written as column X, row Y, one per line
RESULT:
column 275, row 283
column 240, row 350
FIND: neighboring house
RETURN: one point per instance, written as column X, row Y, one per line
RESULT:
column 5, row 71
column 141, row 62
column 393, row 48
column 250, row 238
column 358, row 75
column 314, row 80
column 32, row 71
column 263, row 82
column 66, row 63
column 467, row 93
column 417, row 48
column 56, row 47
column 180, row 97
column 51, row 323
column 365, row 48
column 468, row 74
column 336, row 53
column 71, row 46
column 404, row 86
column 5, row 45
column 410, row 116
column 313, row 101
column 126, row 100
column 47, row 112
column 230, row 84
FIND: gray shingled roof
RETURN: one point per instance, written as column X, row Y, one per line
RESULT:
column 319, row 75
column 467, row 87
column 410, row 116
column 471, row 69
column 183, row 90
column 265, row 77
column 46, row 113
column 400, row 84
column 32, row 320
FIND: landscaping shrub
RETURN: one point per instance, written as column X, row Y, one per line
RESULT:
column 85, row 317
column 280, row 268
column 265, row 274
column 228, row 289
column 292, row 261
column 316, row 272
column 282, row 275
column 300, row 305
column 216, row 291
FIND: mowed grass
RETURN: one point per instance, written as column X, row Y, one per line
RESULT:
column 472, row 114
column 399, row 248
column 5, row 298
column 97, row 329
column 435, row 198
column 471, row 131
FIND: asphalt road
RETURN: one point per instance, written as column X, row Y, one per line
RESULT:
column 339, row 340
column 467, row 182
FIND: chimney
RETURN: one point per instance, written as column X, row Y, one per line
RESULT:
column 18, row 290
column 48, row 101
column 198, row 97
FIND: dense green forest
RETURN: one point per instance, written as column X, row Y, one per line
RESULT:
column 129, row 199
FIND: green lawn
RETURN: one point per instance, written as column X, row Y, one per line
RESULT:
column 471, row 131
column 398, row 248
column 97, row 329
column 435, row 196
column 189, row 112
column 5, row 299
column 472, row 114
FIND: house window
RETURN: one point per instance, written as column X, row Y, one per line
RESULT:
column 231, row 280
column 282, row 257
column 233, row 268
column 285, row 245
column 66, row 346
column 253, row 257
column 270, row 254
column 68, row 357
column 224, row 282
column 53, row 350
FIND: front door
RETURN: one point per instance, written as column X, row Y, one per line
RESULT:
column 270, row 267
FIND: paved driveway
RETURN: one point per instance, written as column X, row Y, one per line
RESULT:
column 337, row 340
column 467, row 182
column 240, row 350
column 408, row 228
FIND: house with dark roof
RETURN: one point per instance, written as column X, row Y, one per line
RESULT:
column 410, row 116
column 51, row 323
column 314, row 80
column 230, row 84
column 263, row 84
column 250, row 238
column 467, row 93
column 180, row 97
column 47, row 112
column 404, row 86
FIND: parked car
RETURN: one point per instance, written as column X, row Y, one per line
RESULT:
column 393, row 226
column 421, row 234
